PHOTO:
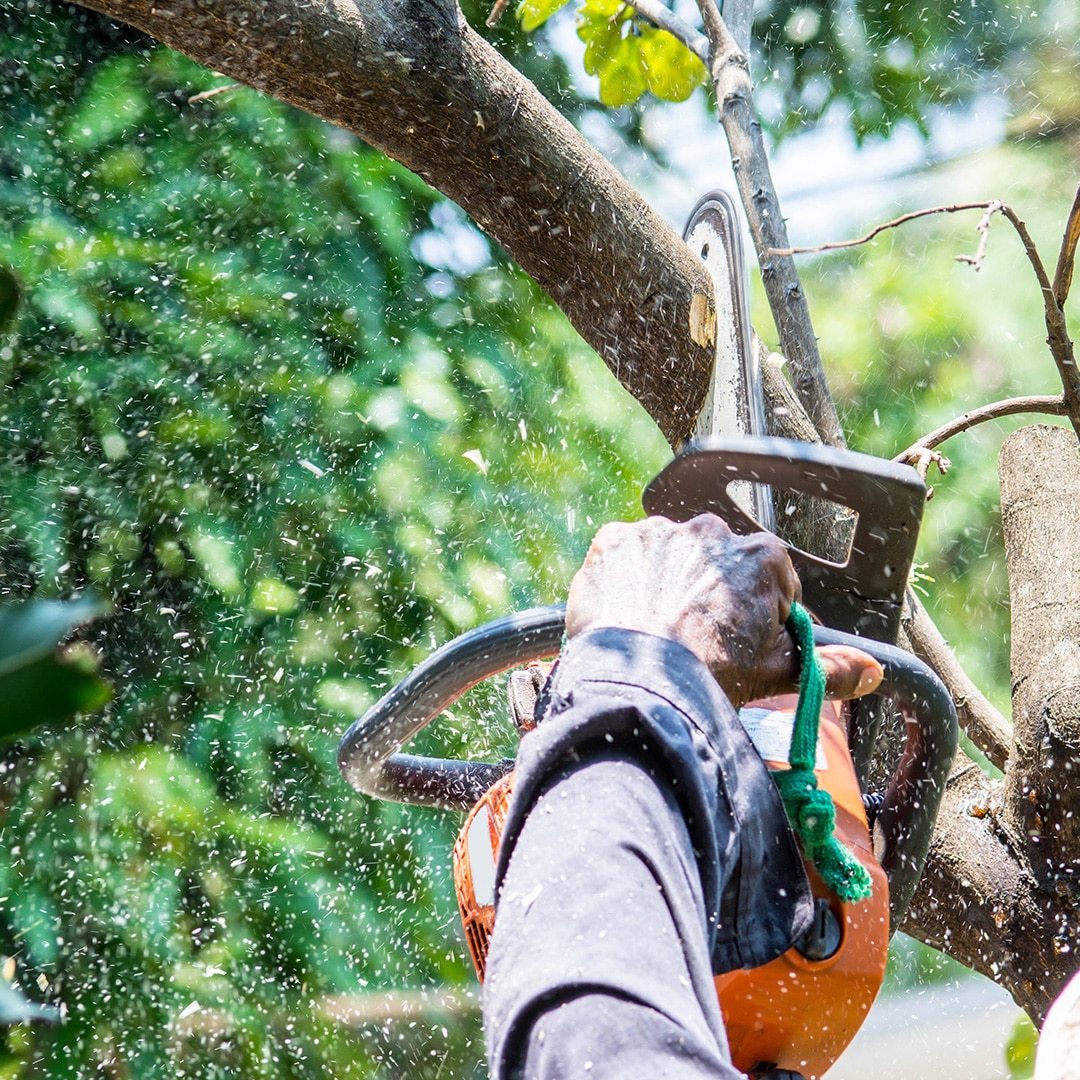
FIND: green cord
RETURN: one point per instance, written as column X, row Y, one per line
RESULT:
column 810, row 809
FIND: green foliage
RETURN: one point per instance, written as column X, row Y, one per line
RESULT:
column 1020, row 1049
column 629, row 55
column 881, row 62
column 282, row 407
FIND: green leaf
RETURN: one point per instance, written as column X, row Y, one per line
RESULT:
column 615, row 59
column 534, row 13
column 38, row 684
column 673, row 72
column 622, row 79
column 600, row 27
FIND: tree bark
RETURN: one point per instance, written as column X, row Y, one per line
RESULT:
column 1001, row 888
column 1040, row 510
column 412, row 79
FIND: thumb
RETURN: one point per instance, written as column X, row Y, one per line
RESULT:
column 849, row 672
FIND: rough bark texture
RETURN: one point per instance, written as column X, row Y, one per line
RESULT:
column 1040, row 510
column 1001, row 889
column 734, row 92
column 412, row 79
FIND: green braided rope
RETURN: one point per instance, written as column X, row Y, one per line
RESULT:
column 810, row 809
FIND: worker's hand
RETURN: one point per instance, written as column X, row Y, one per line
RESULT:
column 724, row 597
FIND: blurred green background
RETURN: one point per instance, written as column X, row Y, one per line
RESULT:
column 295, row 422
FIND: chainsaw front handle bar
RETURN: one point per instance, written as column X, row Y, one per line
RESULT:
column 370, row 761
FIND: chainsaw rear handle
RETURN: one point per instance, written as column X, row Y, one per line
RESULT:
column 369, row 759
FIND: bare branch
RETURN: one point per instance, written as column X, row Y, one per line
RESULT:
column 715, row 27
column 667, row 20
column 496, row 12
column 1047, row 404
column 979, row 720
column 739, row 15
column 207, row 94
column 984, row 237
column 730, row 73
column 1057, row 337
column 1057, row 332
column 1067, row 256
column 837, row 245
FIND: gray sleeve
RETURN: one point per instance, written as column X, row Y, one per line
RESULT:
column 645, row 849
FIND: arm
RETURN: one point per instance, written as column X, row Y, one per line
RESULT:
column 646, row 847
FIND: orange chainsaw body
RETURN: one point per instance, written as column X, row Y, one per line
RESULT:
column 792, row 1013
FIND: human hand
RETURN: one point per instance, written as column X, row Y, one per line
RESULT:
column 725, row 597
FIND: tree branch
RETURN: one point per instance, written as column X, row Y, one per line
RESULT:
column 1048, row 404
column 666, row 19
column 1067, row 255
column 730, row 73
column 977, row 901
column 837, row 245
column 412, row 79
column 1057, row 337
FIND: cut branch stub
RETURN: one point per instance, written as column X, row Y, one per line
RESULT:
column 1040, row 509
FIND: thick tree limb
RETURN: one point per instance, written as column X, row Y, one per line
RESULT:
column 1040, row 494
column 412, row 79
column 978, row 902
column 730, row 72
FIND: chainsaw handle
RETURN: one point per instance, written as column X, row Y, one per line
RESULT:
column 369, row 760
column 368, row 754
column 904, row 825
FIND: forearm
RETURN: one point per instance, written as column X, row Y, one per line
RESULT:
column 649, row 706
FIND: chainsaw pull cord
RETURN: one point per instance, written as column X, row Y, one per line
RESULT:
column 810, row 809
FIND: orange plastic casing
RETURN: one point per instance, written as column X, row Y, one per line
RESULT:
column 792, row 1013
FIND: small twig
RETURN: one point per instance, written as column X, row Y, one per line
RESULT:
column 921, row 458
column 678, row 28
column 1057, row 336
column 1047, row 404
column 207, row 94
column 497, row 10
column 837, row 245
column 1067, row 256
column 984, row 237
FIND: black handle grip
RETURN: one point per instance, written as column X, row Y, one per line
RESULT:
column 369, row 760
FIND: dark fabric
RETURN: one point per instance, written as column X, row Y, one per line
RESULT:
column 645, row 849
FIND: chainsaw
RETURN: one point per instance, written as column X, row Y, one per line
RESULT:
column 794, row 1016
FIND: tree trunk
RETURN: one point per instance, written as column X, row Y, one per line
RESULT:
column 1001, row 888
